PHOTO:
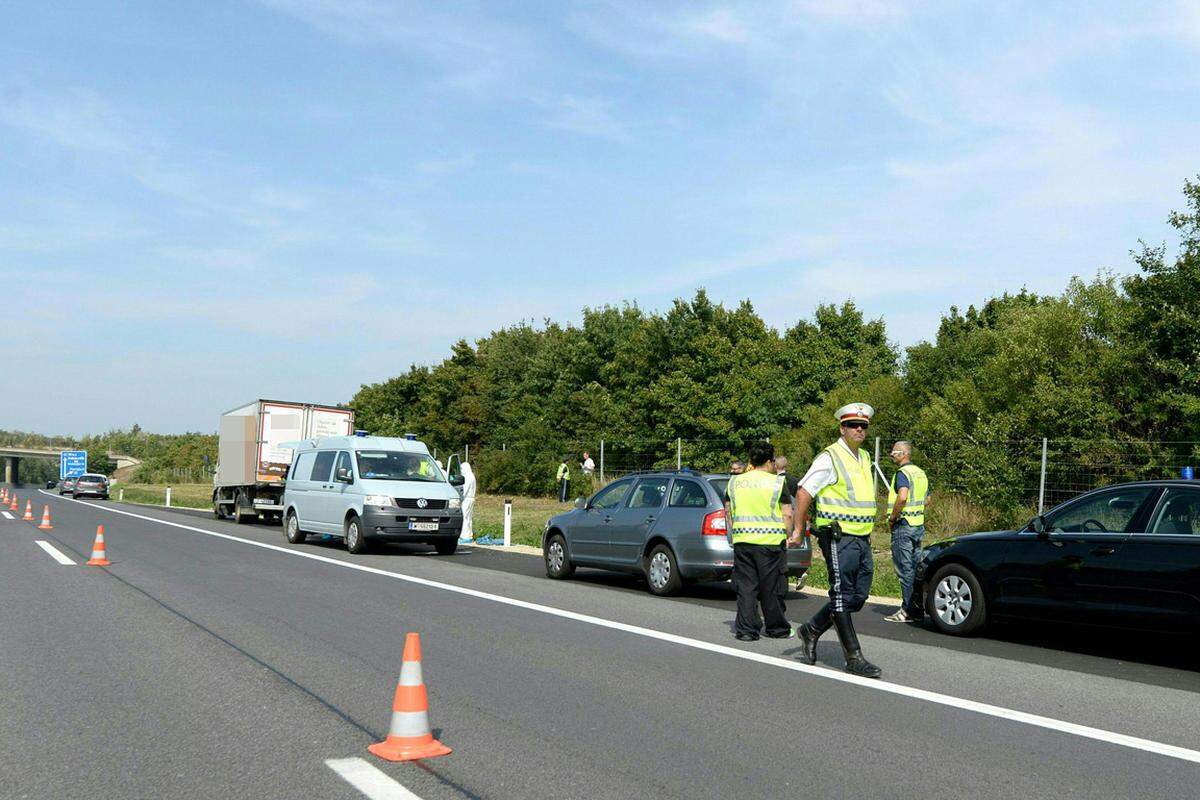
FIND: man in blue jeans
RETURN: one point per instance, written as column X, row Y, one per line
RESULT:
column 908, row 497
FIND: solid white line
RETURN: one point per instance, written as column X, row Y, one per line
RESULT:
column 7, row 515
column 369, row 780
column 54, row 552
column 1048, row 723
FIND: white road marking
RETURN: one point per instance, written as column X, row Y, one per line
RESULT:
column 369, row 780
column 7, row 515
column 54, row 552
column 1048, row 723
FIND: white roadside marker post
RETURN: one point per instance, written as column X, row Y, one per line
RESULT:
column 168, row 497
column 121, row 495
column 508, row 523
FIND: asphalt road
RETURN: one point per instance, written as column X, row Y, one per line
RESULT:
column 204, row 664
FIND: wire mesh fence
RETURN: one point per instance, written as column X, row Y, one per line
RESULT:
column 1031, row 473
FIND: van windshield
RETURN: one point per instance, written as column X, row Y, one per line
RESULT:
column 388, row 465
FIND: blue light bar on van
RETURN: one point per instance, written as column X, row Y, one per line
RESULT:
column 360, row 433
column 412, row 437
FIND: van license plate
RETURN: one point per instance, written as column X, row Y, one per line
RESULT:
column 422, row 526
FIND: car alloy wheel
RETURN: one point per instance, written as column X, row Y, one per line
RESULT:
column 659, row 573
column 953, row 600
column 352, row 536
column 555, row 556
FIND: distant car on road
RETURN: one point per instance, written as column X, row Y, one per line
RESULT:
column 50, row 484
column 1124, row 556
column 66, row 486
column 91, row 485
column 668, row 526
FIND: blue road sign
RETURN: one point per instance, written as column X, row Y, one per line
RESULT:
column 72, row 463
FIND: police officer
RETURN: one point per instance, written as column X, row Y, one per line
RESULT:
column 908, row 494
column 759, row 517
column 564, row 480
column 840, row 481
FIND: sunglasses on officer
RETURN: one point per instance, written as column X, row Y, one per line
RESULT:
column 856, row 425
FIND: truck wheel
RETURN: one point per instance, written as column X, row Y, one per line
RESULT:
column 356, row 541
column 292, row 529
column 242, row 514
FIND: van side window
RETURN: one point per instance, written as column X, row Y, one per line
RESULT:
column 323, row 466
column 303, row 465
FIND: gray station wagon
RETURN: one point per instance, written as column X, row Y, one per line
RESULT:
column 668, row 526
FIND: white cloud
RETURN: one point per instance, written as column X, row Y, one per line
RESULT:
column 590, row 116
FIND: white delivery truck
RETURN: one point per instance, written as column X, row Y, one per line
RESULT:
column 252, row 464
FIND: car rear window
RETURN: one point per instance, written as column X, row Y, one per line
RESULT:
column 719, row 484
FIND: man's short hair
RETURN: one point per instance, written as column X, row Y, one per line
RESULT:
column 781, row 462
column 761, row 453
column 903, row 445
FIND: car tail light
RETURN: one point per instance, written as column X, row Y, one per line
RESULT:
column 714, row 524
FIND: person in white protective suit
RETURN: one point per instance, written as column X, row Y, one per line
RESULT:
column 468, row 504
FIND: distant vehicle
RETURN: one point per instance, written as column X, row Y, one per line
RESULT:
column 366, row 488
column 668, row 526
column 252, row 464
column 66, row 486
column 91, row 485
column 50, row 484
column 1125, row 556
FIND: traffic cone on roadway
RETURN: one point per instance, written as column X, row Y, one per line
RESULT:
column 13, row 507
column 45, row 526
column 4, row 495
column 98, row 559
column 410, row 736
column 28, row 511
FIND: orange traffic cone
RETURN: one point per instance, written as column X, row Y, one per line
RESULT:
column 45, row 526
column 28, row 511
column 98, row 559
column 4, row 495
column 410, row 736
column 13, row 507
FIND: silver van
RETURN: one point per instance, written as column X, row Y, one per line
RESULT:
column 370, row 487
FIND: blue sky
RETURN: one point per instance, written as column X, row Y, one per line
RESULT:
column 226, row 200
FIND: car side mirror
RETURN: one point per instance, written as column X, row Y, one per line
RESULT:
column 581, row 503
column 457, row 480
column 344, row 475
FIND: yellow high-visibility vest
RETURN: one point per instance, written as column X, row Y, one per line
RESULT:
column 756, row 516
column 914, row 508
column 849, row 500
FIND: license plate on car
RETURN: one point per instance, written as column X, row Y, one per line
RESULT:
column 422, row 526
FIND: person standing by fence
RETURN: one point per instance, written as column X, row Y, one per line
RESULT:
column 908, row 496
column 564, row 480
column 759, row 517
column 588, row 467
column 841, row 481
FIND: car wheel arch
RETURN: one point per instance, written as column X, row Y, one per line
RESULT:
column 653, row 542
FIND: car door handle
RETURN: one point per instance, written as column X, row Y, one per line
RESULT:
column 1105, row 550
column 649, row 520
column 607, row 519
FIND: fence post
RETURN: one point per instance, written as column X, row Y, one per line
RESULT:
column 602, row 461
column 120, row 495
column 875, row 474
column 678, row 453
column 168, row 497
column 1042, row 482
column 466, row 452
column 508, row 523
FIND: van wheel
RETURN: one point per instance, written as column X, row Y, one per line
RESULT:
column 662, row 573
column 356, row 542
column 292, row 530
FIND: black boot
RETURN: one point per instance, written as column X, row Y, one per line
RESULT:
column 855, row 663
column 810, row 632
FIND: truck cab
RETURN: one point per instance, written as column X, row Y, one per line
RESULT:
column 371, row 488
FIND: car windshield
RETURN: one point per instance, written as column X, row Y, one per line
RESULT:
column 389, row 465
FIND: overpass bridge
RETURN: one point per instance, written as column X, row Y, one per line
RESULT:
column 12, row 459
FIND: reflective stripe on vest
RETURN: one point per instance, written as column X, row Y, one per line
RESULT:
column 849, row 500
column 914, row 509
column 755, row 516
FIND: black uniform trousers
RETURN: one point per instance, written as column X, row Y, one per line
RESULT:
column 851, row 568
column 758, row 570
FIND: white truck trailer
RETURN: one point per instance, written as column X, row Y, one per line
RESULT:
column 252, row 465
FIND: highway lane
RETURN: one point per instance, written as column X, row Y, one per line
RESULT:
column 538, row 705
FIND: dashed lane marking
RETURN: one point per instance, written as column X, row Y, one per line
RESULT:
column 986, row 709
column 369, row 780
column 54, row 552
column 7, row 515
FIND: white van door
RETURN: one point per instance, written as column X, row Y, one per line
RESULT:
column 342, row 496
column 320, row 493
column 298, row 488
